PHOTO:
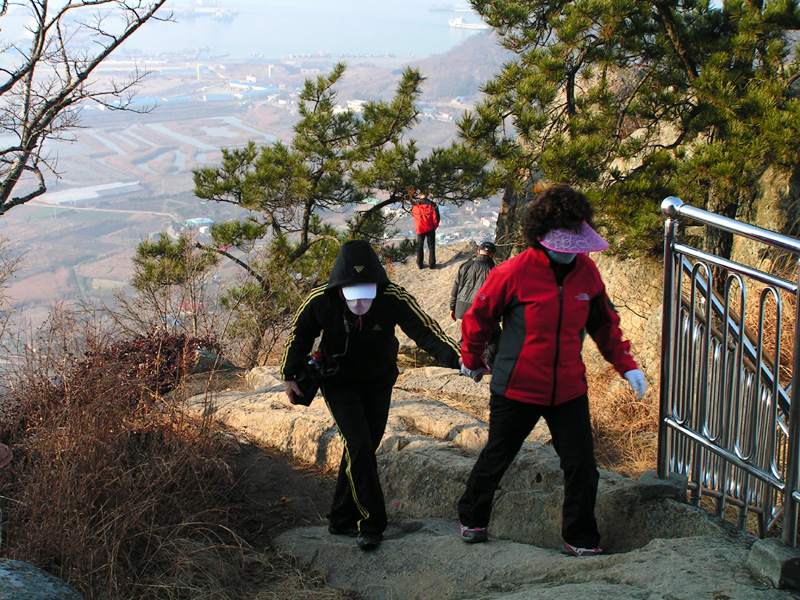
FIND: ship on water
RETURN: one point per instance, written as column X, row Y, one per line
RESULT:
column 459, row 23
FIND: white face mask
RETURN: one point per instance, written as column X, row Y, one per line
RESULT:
column 563, row 258
column 359, row 307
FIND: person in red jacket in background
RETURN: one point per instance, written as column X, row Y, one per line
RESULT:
column 548, row 296
column 426, row 221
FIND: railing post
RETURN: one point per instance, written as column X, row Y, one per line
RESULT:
column 789, row 532
column 669, row 207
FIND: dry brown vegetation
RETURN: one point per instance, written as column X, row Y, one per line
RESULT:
column 114, row 490
column 625, row 428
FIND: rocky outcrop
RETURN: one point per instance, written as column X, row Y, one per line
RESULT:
column 427, row 453
column 425, row 560
column 658, row 546
column 774, row 207
column 654, row 541
column 21, row 581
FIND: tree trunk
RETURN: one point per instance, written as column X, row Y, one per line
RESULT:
column 718, row 241
column 508, row 237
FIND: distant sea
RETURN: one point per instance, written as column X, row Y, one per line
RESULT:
column 275, row 29
column 278, row 28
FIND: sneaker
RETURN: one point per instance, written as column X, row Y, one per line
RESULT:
column 368, row 541
column 473, row 535
column 349, row 531
column 575, row 551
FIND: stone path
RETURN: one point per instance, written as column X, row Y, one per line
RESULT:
column 658, row 547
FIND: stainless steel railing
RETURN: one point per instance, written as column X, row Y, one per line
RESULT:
column 729, row 414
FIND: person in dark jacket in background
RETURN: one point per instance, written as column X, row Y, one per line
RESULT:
column 426, row 222
column 357, row 311
column 470, row 277
column 548, row 296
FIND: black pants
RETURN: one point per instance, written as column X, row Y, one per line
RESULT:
column 510, row 422
column 360, row 413
column 430, row 236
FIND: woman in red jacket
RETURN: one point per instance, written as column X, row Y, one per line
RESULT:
column 548, row 296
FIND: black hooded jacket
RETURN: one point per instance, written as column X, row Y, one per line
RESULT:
column 358, row 349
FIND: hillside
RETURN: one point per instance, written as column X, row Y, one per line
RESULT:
column 129, row 175
column 458, row 73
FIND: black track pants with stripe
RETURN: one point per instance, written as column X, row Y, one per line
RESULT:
column 360, row 413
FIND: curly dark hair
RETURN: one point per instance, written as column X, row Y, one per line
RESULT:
column 557, row 207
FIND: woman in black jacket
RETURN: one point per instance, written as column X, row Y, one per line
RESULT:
column 357, row 311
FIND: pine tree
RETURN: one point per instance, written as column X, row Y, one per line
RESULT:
column 632, row 101
column 336, row 160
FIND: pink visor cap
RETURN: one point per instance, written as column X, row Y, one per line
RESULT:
column 574, row 241
column 360, row 291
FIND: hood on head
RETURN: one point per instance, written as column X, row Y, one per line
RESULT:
column 355, row 264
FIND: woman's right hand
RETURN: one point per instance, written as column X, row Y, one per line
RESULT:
column 292, row 391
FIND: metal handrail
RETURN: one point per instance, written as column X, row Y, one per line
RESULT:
column 731, row 437
column 717, row 308
column 673, row 208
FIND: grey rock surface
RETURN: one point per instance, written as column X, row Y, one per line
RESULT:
column 658, row 547
column 425, row 559
column 21, row 581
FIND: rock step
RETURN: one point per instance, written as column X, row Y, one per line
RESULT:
column 657, row 546
column 423, row 559
column 427, row 454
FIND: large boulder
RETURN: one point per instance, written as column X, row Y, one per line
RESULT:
column 427, row 453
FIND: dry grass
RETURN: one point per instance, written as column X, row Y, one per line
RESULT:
column 116, row 492
column 625, row 428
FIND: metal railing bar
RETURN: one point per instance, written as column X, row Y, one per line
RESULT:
column 765, row 371
column 733, row 267
column 725, row 454
column 673, row 207
column 730, row 418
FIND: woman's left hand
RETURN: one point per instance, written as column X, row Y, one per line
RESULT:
column 639, row 384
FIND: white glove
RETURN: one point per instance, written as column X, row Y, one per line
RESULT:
column 637, row 381
column 475, row 374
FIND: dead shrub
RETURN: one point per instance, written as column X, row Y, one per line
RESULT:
column 625, row 428
column 112, row 489
column 106, row 476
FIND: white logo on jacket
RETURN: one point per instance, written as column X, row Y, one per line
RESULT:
column 583, row 297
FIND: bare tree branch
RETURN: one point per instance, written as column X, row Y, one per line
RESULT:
column 41, row 96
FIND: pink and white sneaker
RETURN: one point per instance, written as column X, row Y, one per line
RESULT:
column 575, row 551
column 473, row 535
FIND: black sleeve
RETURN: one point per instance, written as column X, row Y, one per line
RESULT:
column 422, row 328
column 456, row 287
column 305, row 329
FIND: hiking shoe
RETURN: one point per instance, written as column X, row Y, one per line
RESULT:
column 575, row 551
column 368, row 541
column 473, row 535
column 349, row 531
